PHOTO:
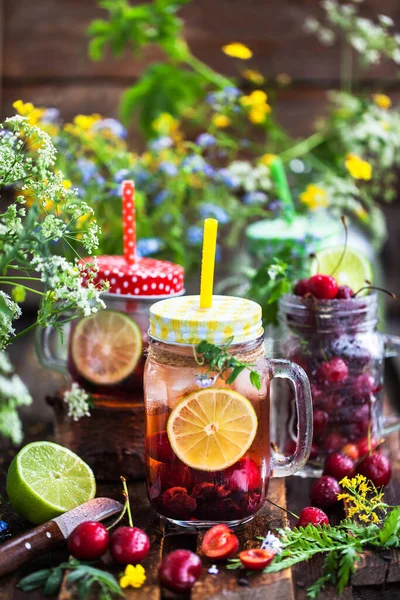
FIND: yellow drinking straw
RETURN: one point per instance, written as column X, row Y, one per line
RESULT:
column 208, row 262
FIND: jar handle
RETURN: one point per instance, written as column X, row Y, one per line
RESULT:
column 392, row 345
column 43, row 351
column 287, row 465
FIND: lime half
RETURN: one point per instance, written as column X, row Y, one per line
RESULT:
column 45, row 480
column 354, row 270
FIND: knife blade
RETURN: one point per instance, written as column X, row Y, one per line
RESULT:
column 31, row 544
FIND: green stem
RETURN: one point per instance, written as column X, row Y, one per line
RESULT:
column 128, row 504
column 209, row 74
column 25, row 287
column 21, row 333
column 303, row 147
column 19, row 278
column 121, row 516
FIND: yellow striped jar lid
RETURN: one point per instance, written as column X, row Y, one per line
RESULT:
column 180, row 320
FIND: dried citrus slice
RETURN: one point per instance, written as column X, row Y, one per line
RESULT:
column 106, row 347
column 212, row 429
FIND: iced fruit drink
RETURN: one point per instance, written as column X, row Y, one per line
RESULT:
column 207, row 443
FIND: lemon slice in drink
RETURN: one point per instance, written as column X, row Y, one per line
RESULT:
column 212, row 429
column 354, row 269
column 106, row 347
column 45, row 480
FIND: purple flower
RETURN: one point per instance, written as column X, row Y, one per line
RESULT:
column 203, row 380
column 87, row 169
column 121, row 175
column 51, row 115
column 161, row 143
column 148, row 246
column 160, row 197
column 194, row 235
column 227, row 178
column 112, row 125
column 168, row 168
column 3, row 526
column 205, row 140
column 213, row 210
column 255, row 198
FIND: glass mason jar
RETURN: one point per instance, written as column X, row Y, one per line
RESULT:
column 105, row 355
column 338, row 345
column 198, row 487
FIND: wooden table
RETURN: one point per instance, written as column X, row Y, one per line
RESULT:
column 376, row 577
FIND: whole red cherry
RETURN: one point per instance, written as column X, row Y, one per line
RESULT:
column 301, row 287
column 243, row 476
column 312, row 515
column 219, row 542
column 129, row 545
column 333, row 371
column 352, row 451
column 377, row 468
column 323, row 287
column 365, row 446
column 180, row 570
column 324, row 491
column 339, row 465
column 344, row 292
column 88, row 541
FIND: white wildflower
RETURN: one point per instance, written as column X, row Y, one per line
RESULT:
column 9, row 311
column 13, row 394
column 78, row 402
column 272, row 542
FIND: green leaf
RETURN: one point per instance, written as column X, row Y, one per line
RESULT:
column 348, row 558
column 391, row 528
column 163, row 88
column 53, row 582
column 255, row 379
column 35, row 580
column 96, row 48
column 234, row 374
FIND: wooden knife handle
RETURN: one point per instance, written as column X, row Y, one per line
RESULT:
column 28, row 546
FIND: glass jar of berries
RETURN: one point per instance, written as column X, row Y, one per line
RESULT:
column 337, row 343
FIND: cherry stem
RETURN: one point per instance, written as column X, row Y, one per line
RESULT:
column 374, row 287
column 128, row 504
column 346, row 235
column 284, row 509
column 121, row 516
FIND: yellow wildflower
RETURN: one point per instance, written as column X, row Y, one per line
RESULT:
column 258, row 105
column 258, row 113
column 67, row 184
column 382, row 101
column 165, row 124
column 237, row 50
column 133, row 577
column 221, row 121
column 358, row 168
column 28, row 110
column 86, row 122
column 361, row 213
column 385, row 125
column 253, row 76
column 256, row 98
column 314, row 197
column 267, row 159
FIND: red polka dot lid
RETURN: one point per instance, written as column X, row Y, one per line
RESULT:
column 146, row 277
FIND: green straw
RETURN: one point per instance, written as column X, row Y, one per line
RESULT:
column 279, row 176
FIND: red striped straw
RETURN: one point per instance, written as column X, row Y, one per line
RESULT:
column 129, row 220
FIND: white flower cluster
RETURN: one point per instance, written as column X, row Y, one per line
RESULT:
column 9, row 311
column 66, row 285
column 250, row 177
column 372, row 41
column 78, row 402
column 13, row 394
